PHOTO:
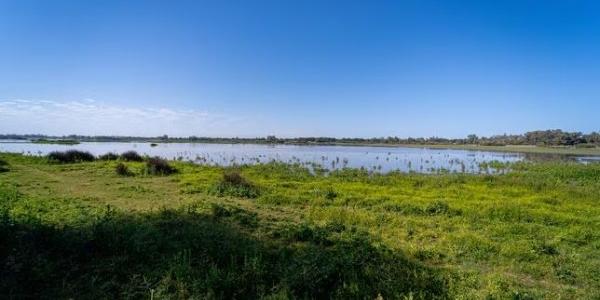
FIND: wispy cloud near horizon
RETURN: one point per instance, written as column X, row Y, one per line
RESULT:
column 90, row 117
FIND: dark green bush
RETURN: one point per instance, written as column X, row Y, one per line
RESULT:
column 330, row 194
column 108, row 156
column 121, row 169
column 70, row 156
column 437, row 207
column 158, row 166
column 234, row 178
column 3, row 166
column 234, row 184
column 131, row 156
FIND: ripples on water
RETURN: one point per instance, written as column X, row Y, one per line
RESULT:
column 375, row 159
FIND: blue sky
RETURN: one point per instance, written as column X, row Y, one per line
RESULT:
column 299, row 68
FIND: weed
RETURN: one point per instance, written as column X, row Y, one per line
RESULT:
column 108, row 156
column 70, row 156
column 437, row 207
column 330, row 194
column 122, row 170
column 3, row 166
column 131, row 156
column 234, row 184
column 158, row 166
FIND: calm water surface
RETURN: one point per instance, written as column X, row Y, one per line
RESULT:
column 378, row 159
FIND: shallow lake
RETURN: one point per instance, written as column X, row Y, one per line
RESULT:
column 377, row 159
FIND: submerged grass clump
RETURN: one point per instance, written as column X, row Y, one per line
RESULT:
column 70, row 156
column 234, row 184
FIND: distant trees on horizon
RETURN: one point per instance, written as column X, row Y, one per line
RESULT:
column 555, row 137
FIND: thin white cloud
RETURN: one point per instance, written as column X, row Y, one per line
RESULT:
column 91, row 117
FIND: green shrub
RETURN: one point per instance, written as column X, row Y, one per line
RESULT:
column 234, row 184
column 158, row 166
column 330, row 194
column 3, row 166
column 122, row 170
column 437, row 208
column 131, row 156
column 108, row 156
column 234, row 178
column 70, row 156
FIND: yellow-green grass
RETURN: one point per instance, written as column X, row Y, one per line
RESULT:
column 532, row 233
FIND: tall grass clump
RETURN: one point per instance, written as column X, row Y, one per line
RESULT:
column 234, row 184
column 122, row 170
column 70, row 156
column 108, row 156
column 131, row 156
column 159, row 166
column 3, row 166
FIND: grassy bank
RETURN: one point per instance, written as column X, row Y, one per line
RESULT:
column 276, row 231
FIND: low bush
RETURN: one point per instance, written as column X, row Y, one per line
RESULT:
column 131, row 156
column 440, row 207
column 437, row 207
column 122, row 170
column 159, row 166
column 234, row 184
column 3, row 166
column 108, row 156
column 70, row 156
column 330, row 194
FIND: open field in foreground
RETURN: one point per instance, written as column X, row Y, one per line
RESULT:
column 276, row 231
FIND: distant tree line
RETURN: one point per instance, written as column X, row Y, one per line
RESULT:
column 554, row 137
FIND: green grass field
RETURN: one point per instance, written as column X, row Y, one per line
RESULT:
column 276, row 231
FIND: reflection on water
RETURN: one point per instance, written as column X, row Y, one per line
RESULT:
column 376, row 159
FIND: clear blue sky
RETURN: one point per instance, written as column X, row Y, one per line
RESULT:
column 299, row 68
